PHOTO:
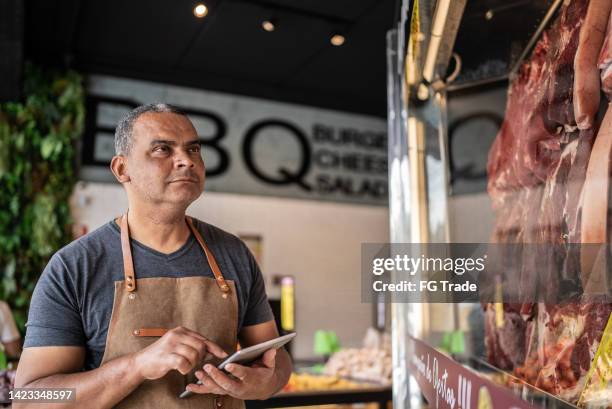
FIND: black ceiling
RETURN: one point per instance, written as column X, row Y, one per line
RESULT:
column 493, row 34
column 161, row 40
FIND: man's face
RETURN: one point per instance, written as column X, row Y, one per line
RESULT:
column 164, row 162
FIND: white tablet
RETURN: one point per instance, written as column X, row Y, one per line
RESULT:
column 250, row 354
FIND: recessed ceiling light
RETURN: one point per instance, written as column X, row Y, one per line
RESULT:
column 337, row 40
column 200, row 10
column 269, row 25
column 489, row 14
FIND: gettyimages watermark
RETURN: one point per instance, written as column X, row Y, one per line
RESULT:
column 485, row 272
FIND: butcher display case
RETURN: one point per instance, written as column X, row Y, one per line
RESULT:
column 500, row 132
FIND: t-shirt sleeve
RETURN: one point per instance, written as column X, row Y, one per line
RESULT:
column 54, row 318
column 8, row 329
column 258, row 308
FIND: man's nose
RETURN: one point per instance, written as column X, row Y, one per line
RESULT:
column 184, row 160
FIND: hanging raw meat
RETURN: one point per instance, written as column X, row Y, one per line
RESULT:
column 605, row 61
column 548, row 179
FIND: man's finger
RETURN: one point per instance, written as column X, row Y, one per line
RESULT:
column 222, row 379
column 238, row 371
column 205, row 388
column 215, row 349
column 210, row 385
column 210, row 346
column 183, row 336
column 189, row 353
column 269, row 358
column 179, row 362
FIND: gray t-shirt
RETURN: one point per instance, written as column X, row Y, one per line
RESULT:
column 73, row 299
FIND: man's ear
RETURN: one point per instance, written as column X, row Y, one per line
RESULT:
column 118, row 166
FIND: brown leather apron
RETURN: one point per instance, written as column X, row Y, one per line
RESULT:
column 143, row 309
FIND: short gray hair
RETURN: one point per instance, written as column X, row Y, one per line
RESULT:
column 123, row 133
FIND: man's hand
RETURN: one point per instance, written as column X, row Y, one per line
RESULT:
column 257, row 381
column 179, row 349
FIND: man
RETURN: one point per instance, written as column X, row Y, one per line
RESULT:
column 128, row 314
column 10, row 339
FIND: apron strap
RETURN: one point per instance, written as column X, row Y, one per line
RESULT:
column 128, row 265
column 209, row 257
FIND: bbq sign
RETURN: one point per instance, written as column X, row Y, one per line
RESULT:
column 253, row 146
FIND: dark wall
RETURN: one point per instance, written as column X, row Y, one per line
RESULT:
column 11, row 49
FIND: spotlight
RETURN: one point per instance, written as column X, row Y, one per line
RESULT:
column 200, row 10
column 269, row 24
column 337, row 40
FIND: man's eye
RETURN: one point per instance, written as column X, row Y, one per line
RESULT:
column 161, row 148
column 195, row 148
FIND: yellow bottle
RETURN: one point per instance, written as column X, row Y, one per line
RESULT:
column 287, row 304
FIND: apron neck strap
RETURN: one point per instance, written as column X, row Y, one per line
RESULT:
column 128, row 264
column 209, row 257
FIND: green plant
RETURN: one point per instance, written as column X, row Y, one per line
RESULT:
column 37, row 175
